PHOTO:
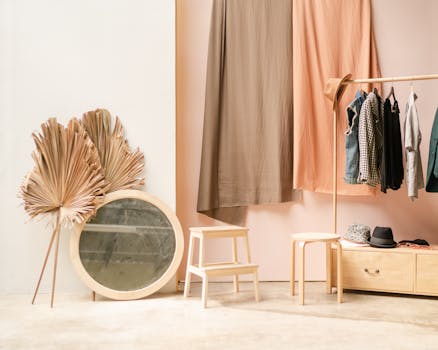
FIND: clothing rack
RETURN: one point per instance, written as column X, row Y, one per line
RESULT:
column 334, row 90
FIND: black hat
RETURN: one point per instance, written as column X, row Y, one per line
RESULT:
column 382, row 238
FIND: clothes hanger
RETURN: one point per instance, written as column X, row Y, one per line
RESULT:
column 391, row 92
column 360, row 91
column 376, row 91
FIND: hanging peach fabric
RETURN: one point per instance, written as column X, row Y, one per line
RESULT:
column 330, row 39
column 247, row 139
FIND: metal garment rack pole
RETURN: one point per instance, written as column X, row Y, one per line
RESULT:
column 335, row 118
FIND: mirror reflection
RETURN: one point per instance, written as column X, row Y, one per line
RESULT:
column 128, row 245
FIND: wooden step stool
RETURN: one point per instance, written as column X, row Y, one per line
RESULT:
column 205, row 270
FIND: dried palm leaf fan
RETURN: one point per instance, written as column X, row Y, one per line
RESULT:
column 66, row 182
column 122, row 167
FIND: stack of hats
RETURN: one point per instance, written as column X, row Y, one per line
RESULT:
column 382, row 237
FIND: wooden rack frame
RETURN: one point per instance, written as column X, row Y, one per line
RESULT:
column 334, row 91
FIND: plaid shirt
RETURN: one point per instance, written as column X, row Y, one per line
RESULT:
column 370, row 139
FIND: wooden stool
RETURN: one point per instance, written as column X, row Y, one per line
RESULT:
column 302, row 239
column 234, row 268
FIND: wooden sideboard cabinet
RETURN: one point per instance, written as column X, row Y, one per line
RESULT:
column 394, row 270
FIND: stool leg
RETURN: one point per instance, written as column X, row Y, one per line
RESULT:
column 235, row 260
column 339, row 271
column 189, row 263
column 187, row 283
column 292, row 268
column 236, row 283
column 256, row 286
column 248, row 253
column 328, row 256
column 302, row 245
column 201, row 251
column 204, row 290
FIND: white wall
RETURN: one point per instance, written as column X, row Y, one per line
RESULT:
column 62, row 58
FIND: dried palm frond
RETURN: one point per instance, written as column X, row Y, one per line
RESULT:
column 67, row 180
column 67, row 177
column 122, row 167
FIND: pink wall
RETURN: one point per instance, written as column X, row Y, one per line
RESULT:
column 404, row 33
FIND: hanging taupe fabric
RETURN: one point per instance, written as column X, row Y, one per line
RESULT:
column 247, row 141
column 330, row 39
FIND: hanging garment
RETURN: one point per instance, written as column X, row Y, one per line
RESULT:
column 351, row 138
column 392, row 157
column 414, row 169
column 247, row 142
column 331, row 38
column 432, row 164
column 370, row 139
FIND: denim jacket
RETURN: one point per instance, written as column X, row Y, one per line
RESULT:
column 351, row 138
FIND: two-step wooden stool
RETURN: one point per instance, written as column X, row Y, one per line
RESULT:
column 206, row 270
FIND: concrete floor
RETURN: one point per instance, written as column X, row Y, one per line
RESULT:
column 233, row 321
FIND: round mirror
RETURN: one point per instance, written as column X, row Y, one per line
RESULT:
column 130, row 248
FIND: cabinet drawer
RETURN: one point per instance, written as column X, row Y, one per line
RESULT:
column 379, row 271
column 427, row 273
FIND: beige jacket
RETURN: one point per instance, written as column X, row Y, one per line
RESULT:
column 414, row 169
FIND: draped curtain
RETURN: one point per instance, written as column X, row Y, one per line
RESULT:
column 331, row 38
column 267, row 124
column 247, row 143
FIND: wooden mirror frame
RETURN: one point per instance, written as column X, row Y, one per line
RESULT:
column 153, row 287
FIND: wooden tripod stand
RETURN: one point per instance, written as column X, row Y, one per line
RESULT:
column 56, row 233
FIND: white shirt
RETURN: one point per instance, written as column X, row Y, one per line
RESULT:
column 414, row 169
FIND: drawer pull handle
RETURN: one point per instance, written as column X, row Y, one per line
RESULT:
column 373, row 273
